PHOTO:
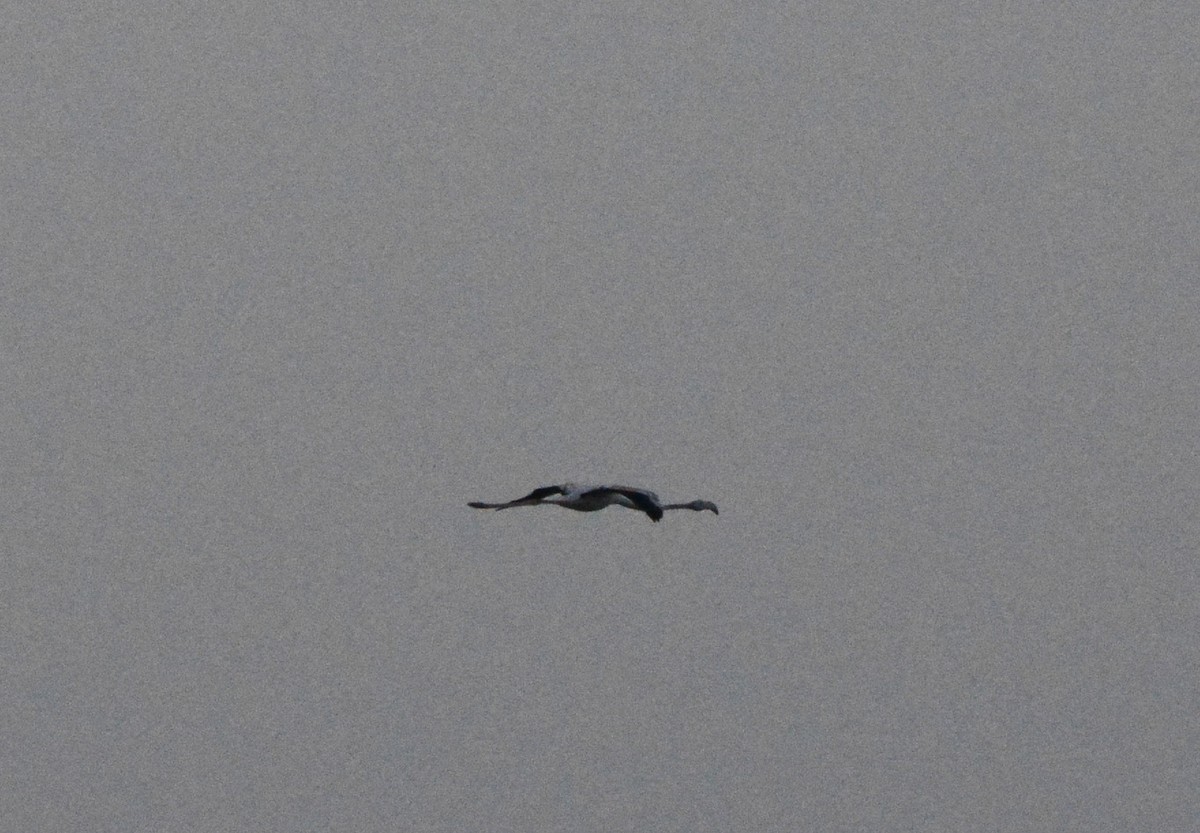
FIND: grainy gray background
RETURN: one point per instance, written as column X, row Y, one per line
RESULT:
column 909, row 289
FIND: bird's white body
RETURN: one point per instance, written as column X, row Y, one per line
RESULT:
column 594, row 498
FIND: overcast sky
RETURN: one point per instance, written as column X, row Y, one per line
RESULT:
column 909, row 290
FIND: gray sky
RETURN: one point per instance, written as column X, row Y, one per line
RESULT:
column 909, row 290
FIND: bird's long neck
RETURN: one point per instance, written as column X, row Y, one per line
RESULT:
column 694, row 505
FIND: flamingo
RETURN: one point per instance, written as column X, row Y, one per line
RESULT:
column 594, row 498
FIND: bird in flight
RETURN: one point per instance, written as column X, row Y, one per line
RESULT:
column 594, row 498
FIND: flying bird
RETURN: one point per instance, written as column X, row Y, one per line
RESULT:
column 594, row 498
